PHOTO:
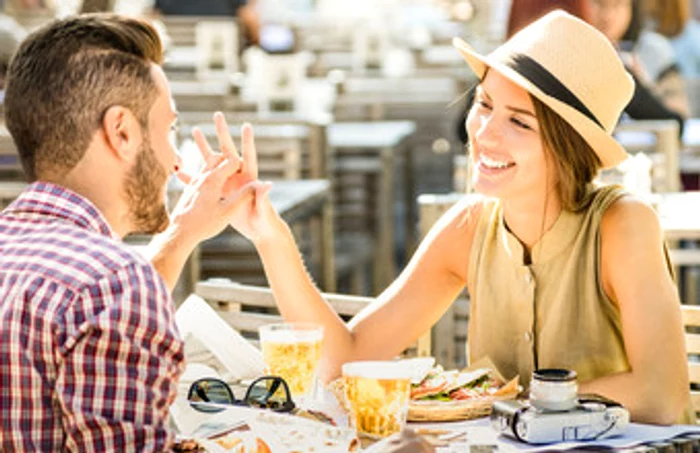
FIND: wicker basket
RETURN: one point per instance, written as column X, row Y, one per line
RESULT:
column 444, row 411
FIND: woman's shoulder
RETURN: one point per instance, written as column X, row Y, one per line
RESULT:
column 457, row 212
column 629, row 214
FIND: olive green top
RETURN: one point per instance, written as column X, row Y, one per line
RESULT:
column 552, row 313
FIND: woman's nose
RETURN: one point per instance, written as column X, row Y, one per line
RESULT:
column 488, row 131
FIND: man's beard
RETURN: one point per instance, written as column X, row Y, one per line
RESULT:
column 148, row 213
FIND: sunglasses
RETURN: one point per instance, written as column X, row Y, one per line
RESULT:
column 267, row 392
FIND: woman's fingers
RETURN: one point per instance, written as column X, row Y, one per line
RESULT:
column 250, row 156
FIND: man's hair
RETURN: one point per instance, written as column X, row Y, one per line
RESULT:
column 575, row 161
column 66, row 75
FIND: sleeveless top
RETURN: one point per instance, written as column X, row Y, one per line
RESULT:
column 552, row 313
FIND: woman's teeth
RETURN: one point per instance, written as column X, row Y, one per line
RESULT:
column 493, row 163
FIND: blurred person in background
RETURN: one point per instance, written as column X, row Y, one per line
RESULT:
column 648, row 56
column 523, row 12
column 673, row 19
column 243, row 10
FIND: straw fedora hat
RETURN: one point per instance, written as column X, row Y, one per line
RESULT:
column 573, row 69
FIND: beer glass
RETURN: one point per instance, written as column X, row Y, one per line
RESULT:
column 377, row 393
column 293, row 351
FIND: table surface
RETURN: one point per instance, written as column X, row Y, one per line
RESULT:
column 639, row 140
column 679, row 212
column 375, row 134
column 479, row 433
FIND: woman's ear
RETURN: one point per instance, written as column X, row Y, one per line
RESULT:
column 122, row 132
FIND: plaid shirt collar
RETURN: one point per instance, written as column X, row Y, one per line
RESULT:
column 46, row 199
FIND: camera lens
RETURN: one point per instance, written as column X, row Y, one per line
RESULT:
column 553, row 389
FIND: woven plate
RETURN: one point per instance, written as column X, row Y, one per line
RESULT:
column 444, row 411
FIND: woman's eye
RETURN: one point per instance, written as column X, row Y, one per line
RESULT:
column 483, row 104
column 520, row 124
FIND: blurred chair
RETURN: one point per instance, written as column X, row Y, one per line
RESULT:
column 275, row 81
column 659, row 139
column 217, row 49
column 691, row 323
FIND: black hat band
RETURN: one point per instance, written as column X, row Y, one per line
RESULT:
column 539, row 76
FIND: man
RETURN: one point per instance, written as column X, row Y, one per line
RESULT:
column 89, row 348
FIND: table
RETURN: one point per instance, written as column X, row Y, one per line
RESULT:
column 294, row 200
column 375, row 94
column 385, row 140
column 678, row 212
column 638, row 437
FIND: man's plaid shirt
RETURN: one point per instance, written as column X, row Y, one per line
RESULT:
column 89, row 351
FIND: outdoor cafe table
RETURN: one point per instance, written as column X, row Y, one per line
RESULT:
column 679, row 212
column 477, row 436
column 386, row 140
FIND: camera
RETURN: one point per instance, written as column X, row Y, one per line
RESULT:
column 557, row 413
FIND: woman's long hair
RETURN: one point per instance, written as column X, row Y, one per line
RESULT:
column 576, row 163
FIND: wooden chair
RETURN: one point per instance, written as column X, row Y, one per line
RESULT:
column 691, row 322
column 659, row 139
column 247, row 307
column 182, row 29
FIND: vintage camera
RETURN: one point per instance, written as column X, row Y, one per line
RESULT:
column 556, row 412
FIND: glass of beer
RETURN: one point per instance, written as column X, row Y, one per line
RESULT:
column 293, row 352
column 377, row 393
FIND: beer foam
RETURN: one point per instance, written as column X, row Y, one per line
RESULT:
column 378, row 369
column 292, row 336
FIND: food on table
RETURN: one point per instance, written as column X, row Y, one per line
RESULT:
column 454, row 385
column 187, row 446
column 286, row 433
column 242, row 442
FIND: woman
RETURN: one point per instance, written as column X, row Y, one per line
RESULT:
column 523, row 12
column 649, row 56
column 561, row 274
column 672, row 18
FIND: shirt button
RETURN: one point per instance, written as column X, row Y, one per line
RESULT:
column 528, row 336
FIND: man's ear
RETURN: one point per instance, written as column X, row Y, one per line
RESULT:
column 122, row 132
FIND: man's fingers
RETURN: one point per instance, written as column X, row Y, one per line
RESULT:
column 228, row 147
column 211, row 159
column 250, row 157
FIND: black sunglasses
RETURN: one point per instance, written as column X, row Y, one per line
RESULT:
column 267, row 392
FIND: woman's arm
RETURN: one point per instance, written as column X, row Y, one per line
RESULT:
column 404, row 311
column 635, row 275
